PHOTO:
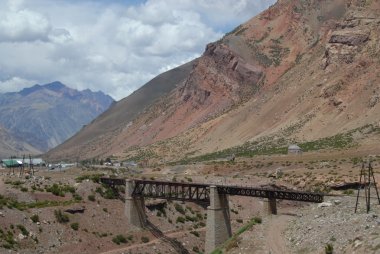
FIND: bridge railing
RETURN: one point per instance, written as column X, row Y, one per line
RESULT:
column 271, row 193
column 172, row 190
column 198, row 192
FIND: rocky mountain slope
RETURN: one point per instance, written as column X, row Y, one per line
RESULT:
column 46, row 115
column 301, row 71
column 10, row 145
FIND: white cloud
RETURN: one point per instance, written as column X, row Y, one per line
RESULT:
column 17, row 24
column 105, row 45
column 15, row 83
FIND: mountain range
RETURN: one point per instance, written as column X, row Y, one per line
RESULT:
column 301, row 72
column 41, row 117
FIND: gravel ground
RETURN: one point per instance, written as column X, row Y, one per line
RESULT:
column 336, row 224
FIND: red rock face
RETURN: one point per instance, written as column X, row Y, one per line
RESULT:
column 220, row 72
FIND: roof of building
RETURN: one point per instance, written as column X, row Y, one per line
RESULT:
column 294, row 147
column 34, row 160
column 11, row 163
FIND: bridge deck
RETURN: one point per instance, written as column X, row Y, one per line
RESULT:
column 199, row 192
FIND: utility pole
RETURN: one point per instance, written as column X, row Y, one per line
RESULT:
column 366, row 174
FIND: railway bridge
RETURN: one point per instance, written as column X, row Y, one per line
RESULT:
column 218, row 227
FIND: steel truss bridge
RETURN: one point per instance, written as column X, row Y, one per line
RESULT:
column 199, row 193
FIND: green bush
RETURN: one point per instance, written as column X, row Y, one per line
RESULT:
column 35, row 218
column 192, row 219
column 179, row 208
column 77, row 197
column 180, row 219
column 196, row 233
column 23, row 230
column 144, row 239
column 119, row 239
column 61, row 218
column 75, row 226
column 329, row 249
column 91, row 197
column 108, row 192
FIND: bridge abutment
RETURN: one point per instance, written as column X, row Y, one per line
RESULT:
column 134, row 208
column 218, row 227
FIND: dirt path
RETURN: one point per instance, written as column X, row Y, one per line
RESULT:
column 131, row 247
column 273, row 234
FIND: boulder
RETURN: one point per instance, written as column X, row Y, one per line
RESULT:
column 324, row 204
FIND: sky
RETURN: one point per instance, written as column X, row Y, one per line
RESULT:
column 114, row 46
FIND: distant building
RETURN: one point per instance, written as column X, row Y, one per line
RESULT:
column 11, row 163
column 18, row 162
column 294, row 149
column 35, row 162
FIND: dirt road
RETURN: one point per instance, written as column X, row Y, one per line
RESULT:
column 273, row 234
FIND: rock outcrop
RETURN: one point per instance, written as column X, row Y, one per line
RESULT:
column 351, row 37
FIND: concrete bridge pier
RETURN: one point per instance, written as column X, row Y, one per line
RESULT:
column 134, row 207
column 218, row 227
column 272, row 206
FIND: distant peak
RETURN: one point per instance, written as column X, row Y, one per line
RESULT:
column 55, row 86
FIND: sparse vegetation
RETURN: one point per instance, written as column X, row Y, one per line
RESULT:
column 348, row 192
column 94, row 178
column 272, row 145
column 60, row 190
column 234, row 239
column 119, row 239
column 13, row 203
column 8, row 238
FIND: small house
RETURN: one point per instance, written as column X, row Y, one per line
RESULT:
column 294, row 149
